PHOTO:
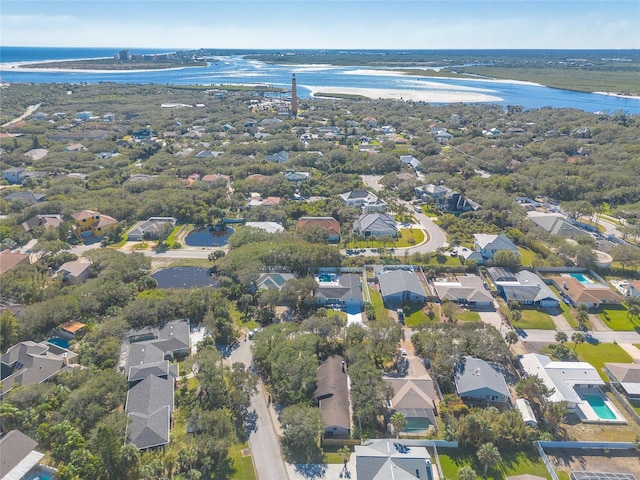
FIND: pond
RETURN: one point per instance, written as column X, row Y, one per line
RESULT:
column 208, row 237
column 185, row 277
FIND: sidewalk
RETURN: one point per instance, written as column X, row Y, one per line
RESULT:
column 632, row 350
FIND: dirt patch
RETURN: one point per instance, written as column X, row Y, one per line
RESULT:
column 245, row 452
column 611, row 461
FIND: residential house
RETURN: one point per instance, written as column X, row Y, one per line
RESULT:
column 479, row 382
column 456, row 204
column 70, row 330
column 36, row 154
column 43, row 222
column 75, row 272
column 582, row 293
column 257, row 201
column 524, row 287
column 140, row 178
column 487, row 245
column 376, row 225
column 208, row 153
column 171, row 340
column 89, row 223
column 466, row 290
column 370, row 122
column 217, row 178
column 432, row 193
column 30, row 363
column 13, row 174
column 280, row 157
column 329, row 224
column 528, row 417
column 28, row 197
column 565, row 379
column 86, row 115
column 414, row 395
column 149, row 406
column 153, row 228
column 296, row 176
column 443, row 137
column 411, row 161
column 556, row 225
column 633, row 288
column 269, row 227
column 332, row 395
column 19, row 459
column 392, row 459
column 363, row 199
column 273, row 281
column 9, row 260
column 625, row 376
column 342, row 291
column 399, row 286
column 76, row 147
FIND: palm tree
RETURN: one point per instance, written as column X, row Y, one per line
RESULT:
column 561, row 337
column 489, row 456
column 398, row 422
column 467, row 473
column 511, row 338
column 516, row 315
column 634, row 312
column 577, row 338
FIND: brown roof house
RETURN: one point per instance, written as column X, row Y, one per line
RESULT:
column 75, row 272
column 42, row 221
column 9, row 260
column 414, row 395
column 330, row 224
column 332, row 395
column 626, row 375
column 590, row 294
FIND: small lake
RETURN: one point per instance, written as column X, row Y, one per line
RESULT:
column 185, row 277
column 208, row 237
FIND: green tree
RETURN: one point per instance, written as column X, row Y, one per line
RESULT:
column 507, row 259
column 302, row 426
column 489, row 456
column 398, row 422
column 577, row 338
column 8, row 330
column 516, row 315
column 511, row 337
column 561, row 337
column 467, row 473
column 555, row 414
column 533, row 389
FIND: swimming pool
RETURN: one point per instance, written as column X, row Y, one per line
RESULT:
column 60, row 342
column 581, row 278
column 597, row 403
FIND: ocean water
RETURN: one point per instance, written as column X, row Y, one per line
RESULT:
column 235, row 69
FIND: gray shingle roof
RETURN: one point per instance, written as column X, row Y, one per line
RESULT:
column 387, row 459
column 473, row 374
column 348, row 288
column 398, row 281
column 149, row 406
column 15, row 446
column 332, row 392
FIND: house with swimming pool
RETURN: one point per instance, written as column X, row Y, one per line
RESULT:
column 577, row 383
column 584, row 289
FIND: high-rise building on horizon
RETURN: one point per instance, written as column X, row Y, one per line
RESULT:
column 294, row 96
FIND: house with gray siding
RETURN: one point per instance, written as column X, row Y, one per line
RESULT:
column 399, row 286
column 479, row 382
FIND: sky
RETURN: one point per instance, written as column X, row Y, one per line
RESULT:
column 322, row 24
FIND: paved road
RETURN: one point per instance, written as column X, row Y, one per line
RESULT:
column 437, row 237
column 548, row 336
column 263, row 441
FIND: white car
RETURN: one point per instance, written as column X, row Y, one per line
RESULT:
column 403, row 352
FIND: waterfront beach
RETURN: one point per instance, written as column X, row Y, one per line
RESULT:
column 431, row 96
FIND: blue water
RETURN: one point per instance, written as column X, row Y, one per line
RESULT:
column 581, row 278
column 204, row 237
column 597, row 404
column 234, row 69
column 61, row 342
column 184, row 277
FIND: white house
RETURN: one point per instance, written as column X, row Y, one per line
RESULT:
column 488, row 245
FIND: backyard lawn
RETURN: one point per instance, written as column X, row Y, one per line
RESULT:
column 598, row 353
column 615, row 317
column 408, row 238
column 414, row 315
column 451, row 460
column 378, row 305
column 535, row 319
column 526, row 256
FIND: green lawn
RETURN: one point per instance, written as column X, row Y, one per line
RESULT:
column 527, row 256
column 243, row 465
column 445, row 260
column 535, row 319
column 414, row 315
column 378, row 305
column 467, row 316
column 409, row 237
column 451, row 460
column 598, row 354
column 171, row 239
column 615, row 317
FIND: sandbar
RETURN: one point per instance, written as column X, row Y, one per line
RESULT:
column 619, row 95
column 431, row 96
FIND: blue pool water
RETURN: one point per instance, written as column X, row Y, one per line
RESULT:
column 581, row 278
column 61, row 342
column 599, row 406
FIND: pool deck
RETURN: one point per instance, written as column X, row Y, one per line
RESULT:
column 588, row 415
